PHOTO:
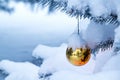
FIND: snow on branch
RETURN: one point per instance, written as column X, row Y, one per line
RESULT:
column 97, row 10
column 101, row 11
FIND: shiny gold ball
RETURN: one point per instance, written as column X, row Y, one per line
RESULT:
column 78, row 57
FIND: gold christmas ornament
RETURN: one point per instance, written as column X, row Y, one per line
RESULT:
column 78, row 53
column 78, row 57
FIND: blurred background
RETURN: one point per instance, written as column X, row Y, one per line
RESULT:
column 26, row 27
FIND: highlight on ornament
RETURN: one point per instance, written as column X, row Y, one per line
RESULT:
column 78, row 57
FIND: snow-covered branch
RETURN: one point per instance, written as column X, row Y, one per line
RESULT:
column 100, row 11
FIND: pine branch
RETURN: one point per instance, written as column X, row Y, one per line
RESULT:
column 4, row 6
column 104, row 45
column 73, row 11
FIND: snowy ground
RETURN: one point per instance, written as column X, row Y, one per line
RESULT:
column 19, row 70
column 56, row 67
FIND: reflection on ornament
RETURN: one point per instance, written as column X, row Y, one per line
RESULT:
column 78, row 57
